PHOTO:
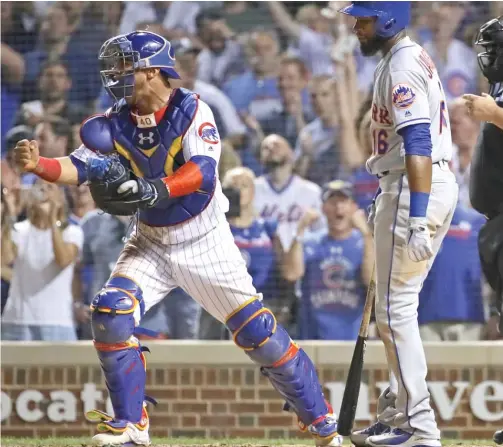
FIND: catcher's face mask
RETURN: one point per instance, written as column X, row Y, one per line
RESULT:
column 118, row 65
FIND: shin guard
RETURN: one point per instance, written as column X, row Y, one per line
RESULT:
column 290, row 370
column 116, row 311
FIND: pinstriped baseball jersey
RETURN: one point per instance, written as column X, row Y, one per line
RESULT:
column 193, row 144
column 407, row 90
column 198, row 255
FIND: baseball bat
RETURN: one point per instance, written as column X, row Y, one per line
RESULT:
column 352, row 389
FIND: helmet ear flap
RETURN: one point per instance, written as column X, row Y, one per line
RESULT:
column 389, row 24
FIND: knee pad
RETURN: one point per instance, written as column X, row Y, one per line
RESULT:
column 290, row 370
column 116, row 311
column 254, row 329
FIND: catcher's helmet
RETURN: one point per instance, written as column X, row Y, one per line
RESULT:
column 391, row 17
column 490, row 37
column 122, row 55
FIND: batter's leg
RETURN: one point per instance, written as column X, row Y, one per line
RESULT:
column 214, row 273
column 399, row 281
column 137, row 283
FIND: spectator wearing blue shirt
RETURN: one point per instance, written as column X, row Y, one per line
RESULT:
column 328, row 147
column 334, row 267
column 53, row 83
column 255, row 236
column 57, row 41
column 296, row 109
column 255, row 92
column 451, row 305
column 223, row 56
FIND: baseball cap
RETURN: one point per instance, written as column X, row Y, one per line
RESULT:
column 337, row 187
column 184, row 46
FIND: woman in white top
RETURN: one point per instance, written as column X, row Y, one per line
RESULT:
column 40, row 302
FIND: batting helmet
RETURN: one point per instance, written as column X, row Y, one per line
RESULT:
column 391, row 17
column 490, row 37
column 122, row 55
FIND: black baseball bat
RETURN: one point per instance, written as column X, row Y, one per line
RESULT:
column 352, row 389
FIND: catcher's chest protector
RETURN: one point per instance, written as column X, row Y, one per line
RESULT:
column 156, row 152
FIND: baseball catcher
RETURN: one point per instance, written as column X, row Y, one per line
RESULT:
column 155, row 154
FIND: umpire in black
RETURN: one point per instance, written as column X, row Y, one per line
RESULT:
column 486, row 171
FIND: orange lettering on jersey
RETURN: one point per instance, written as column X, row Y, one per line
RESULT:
column 384, row 116
column 374, row 112
column 381, row 115
column 427, row 63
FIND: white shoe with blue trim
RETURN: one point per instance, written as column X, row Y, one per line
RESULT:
column 398, row 437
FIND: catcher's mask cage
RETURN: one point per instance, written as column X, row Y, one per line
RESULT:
column 123, row 55
column 118, row 64
column 490, row 37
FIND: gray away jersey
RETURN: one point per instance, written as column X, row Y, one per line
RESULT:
column 407, row 91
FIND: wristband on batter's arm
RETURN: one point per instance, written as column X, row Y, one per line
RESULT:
column 417, row 141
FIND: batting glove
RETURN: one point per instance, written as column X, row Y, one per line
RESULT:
column 418, row 240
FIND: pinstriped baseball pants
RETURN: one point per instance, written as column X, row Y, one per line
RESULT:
column 209, row 267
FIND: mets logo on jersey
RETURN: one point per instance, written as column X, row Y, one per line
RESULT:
column 208, row 133
column 402, row 96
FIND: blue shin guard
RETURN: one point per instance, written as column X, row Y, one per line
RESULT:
column 288, row 367
column 116, row 309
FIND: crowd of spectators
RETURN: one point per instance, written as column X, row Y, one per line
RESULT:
column 291, row 93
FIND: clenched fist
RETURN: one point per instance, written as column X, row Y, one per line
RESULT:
column 26, row 155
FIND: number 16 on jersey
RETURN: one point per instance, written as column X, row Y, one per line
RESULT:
column 380, row 141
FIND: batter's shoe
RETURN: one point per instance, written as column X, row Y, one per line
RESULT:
column 398, row 437
column 359, row 437
column 119, row 432
column 498, row 437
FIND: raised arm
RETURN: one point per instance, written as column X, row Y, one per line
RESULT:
column 292, row 265
column 351, row 157
column 283, row 19
column 13, row 66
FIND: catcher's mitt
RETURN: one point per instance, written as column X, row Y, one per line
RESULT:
column 105, row 175
column 116, row 190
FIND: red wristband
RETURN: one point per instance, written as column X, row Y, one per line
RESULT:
column 48, row 168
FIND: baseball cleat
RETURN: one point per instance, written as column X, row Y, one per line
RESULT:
column 498, row 437
column 119, row 432
column 325, row 433
column 359, row 437
column 398, row 437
